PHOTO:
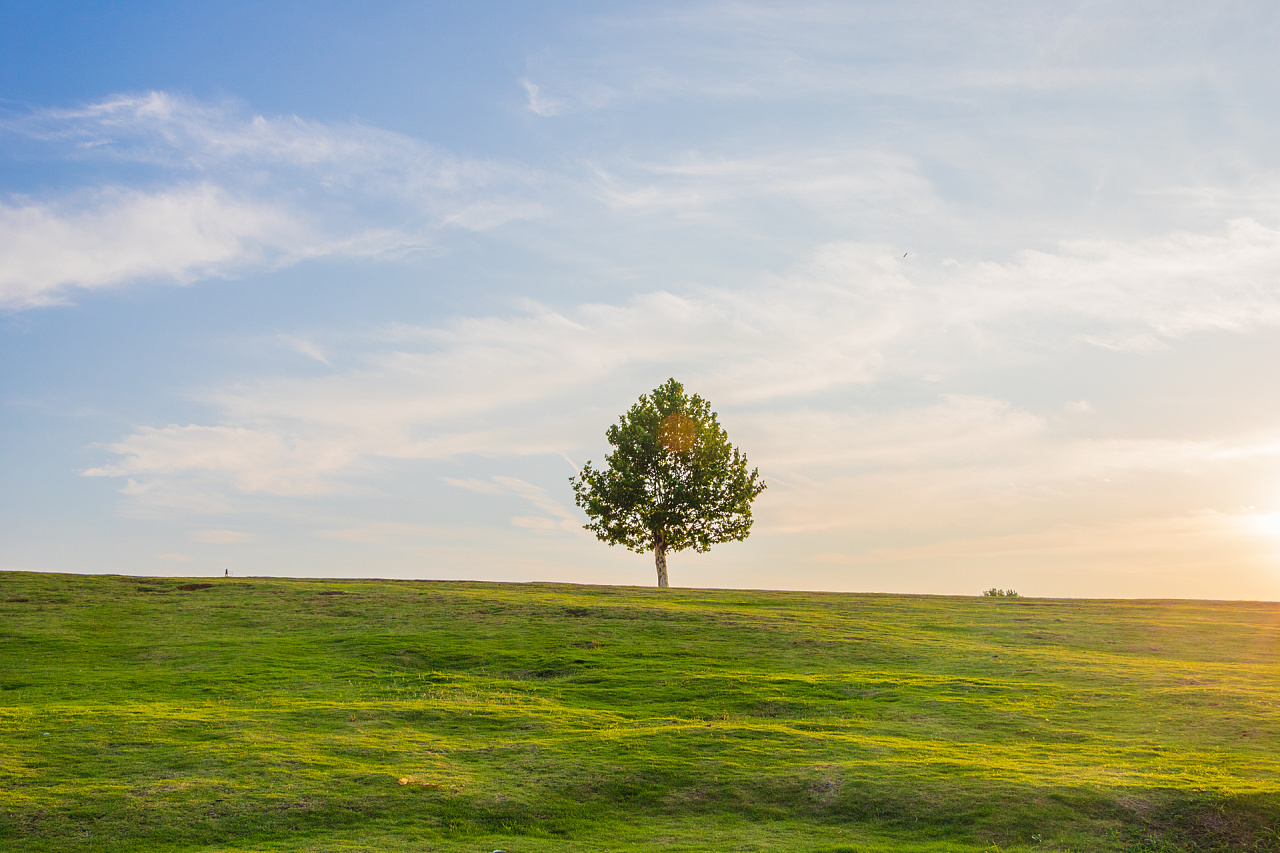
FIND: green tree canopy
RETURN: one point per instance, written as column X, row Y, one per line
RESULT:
column 673, row 480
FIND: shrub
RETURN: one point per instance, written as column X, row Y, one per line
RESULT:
column 1001, row 593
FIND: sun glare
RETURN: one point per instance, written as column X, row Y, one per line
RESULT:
column 1268, row 523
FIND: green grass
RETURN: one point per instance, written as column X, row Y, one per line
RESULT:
column 263, row 715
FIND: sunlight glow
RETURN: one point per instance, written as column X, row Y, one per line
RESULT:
column 1266, row 523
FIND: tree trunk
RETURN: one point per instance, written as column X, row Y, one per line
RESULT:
column 660, row 557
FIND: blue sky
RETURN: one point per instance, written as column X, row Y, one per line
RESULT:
column 990, row 292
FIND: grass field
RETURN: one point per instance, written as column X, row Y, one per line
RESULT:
column 142, row 714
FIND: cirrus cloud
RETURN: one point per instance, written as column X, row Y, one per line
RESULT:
column 117, row 236
column 852, row 315
column 229, row 192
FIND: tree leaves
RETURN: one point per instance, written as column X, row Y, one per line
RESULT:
column 672, row 473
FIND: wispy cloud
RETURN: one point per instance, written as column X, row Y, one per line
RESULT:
column 936, row 118
column 851, row 315
column 1145, row 291
column 917, row 50
column 539, row 103
column 554, row 514
column 229, row 192
column 948, row 271
column 270, row 461
column 833, row 184
column 178, row 133
column 47, row 250
column 305, row 347
column 974, row 463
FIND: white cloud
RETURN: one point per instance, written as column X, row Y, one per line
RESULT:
column 305, row 347
column 119, row 236
column 1117, row 294
column 556, row 516
column 231, row 192
column 460, row 389
column 539, row 103
column 970, row 461
column 529, row 383
column 1140, row 292
column 238, row 192
column 944, row 126
column 255, row 460
column 838, row 184
column 178, row 133
column 911, row 50
column 974, row 474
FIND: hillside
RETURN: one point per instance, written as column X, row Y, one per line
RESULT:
column 142, row 714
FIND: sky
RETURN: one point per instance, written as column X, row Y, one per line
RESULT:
column 988, row 291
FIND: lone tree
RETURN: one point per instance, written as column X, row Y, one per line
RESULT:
column 673, row 480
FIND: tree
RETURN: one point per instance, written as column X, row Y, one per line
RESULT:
column 673, row 480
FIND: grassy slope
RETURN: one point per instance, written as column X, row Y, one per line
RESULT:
column 279, row 714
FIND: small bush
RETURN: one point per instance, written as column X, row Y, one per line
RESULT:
column 1001, row 593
